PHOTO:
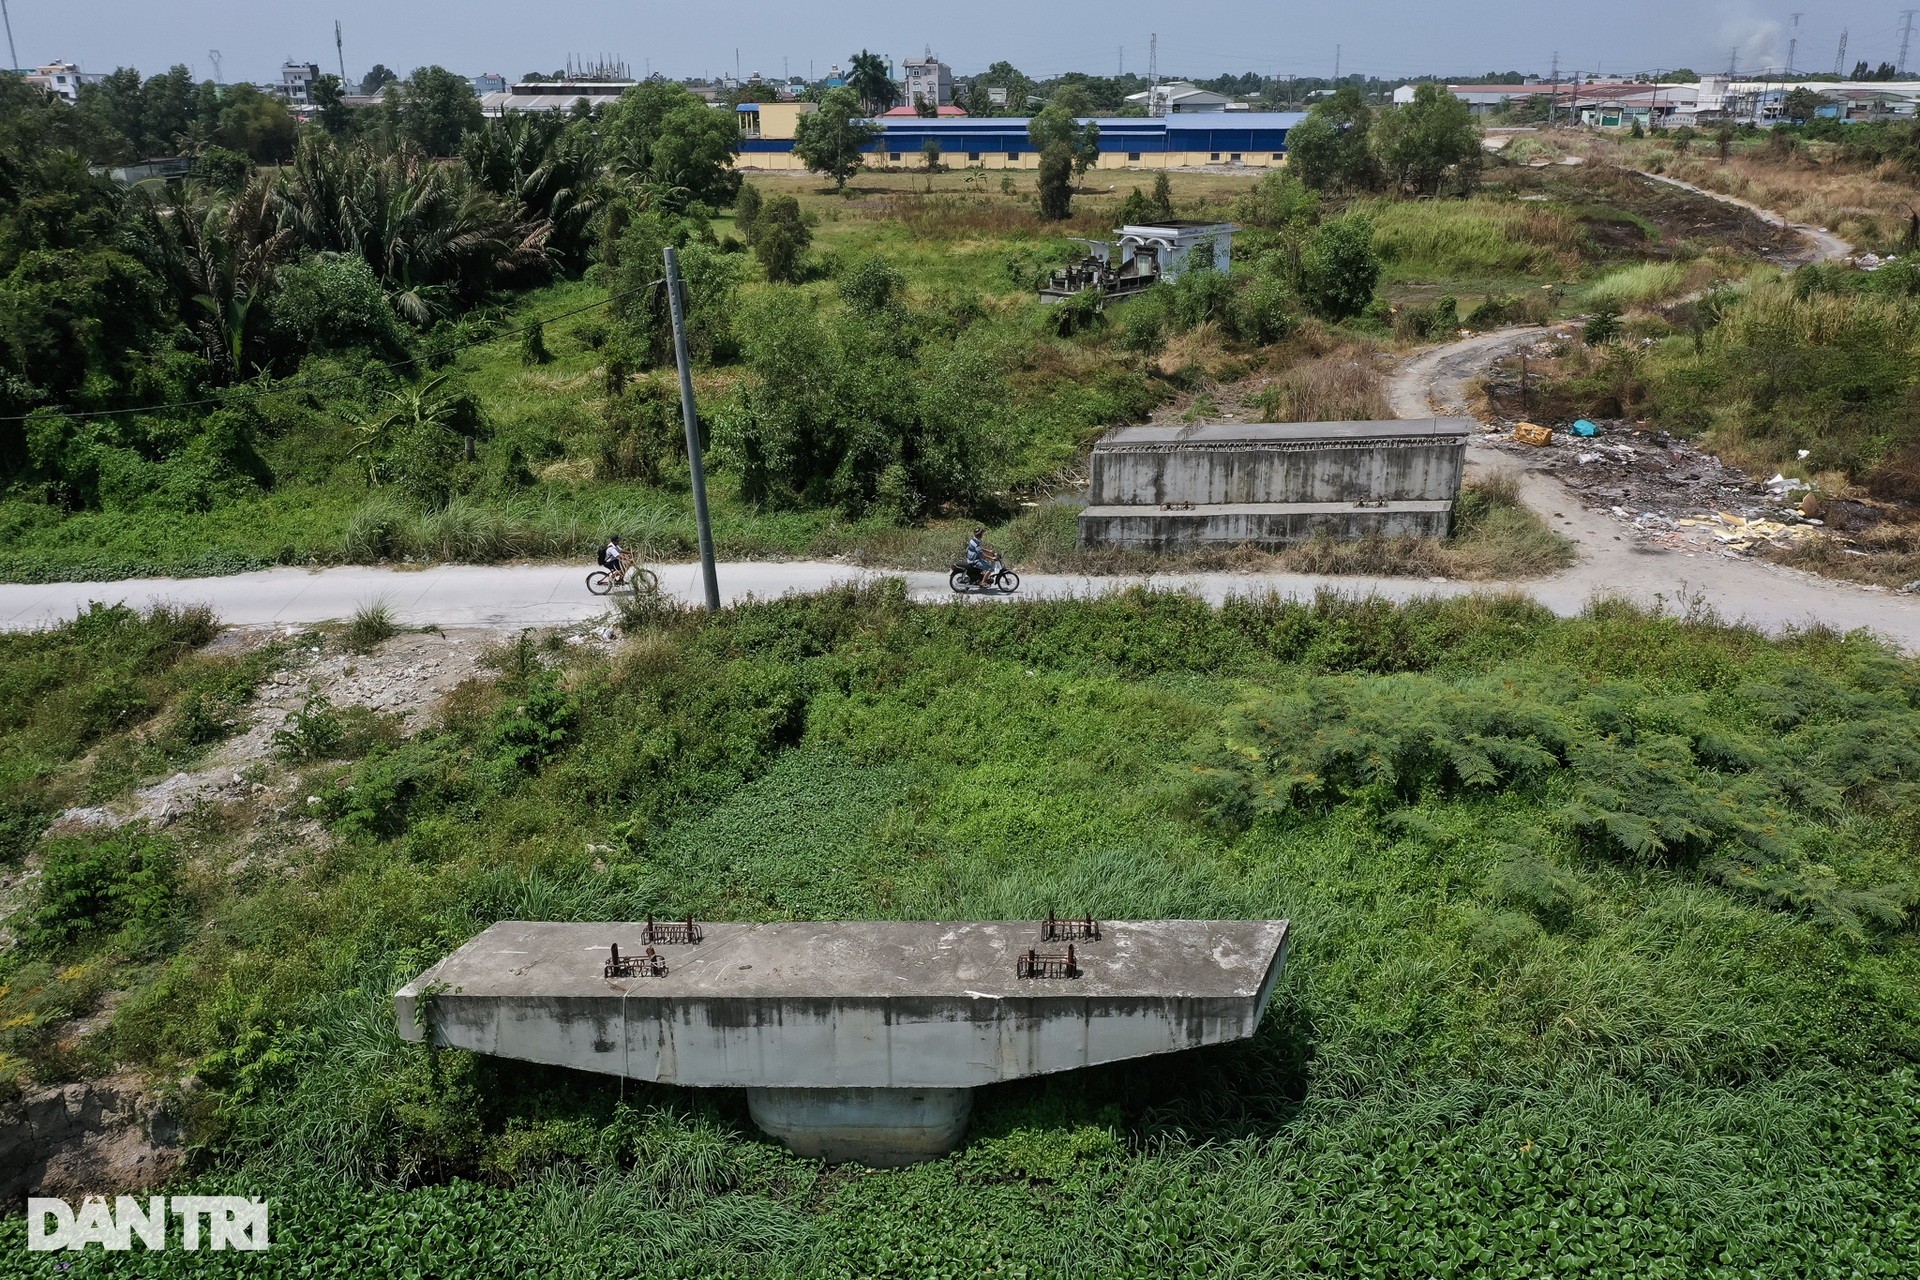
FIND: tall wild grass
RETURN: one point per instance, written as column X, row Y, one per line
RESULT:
column 1480, row 237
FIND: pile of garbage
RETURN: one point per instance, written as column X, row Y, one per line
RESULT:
column 1668, row 491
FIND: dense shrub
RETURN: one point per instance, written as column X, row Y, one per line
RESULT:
column 125, row 883
column 831, row 403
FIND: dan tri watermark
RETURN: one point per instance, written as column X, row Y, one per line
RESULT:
column 160, row 1222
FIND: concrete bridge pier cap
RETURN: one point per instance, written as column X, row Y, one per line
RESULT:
column 855, row 1040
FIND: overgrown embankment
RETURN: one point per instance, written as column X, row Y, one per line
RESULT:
column 1603, row 925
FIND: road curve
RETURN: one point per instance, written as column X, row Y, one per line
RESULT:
column 1827, row 247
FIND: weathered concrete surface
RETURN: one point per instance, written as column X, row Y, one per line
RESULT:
column 1260, row 523
column 1272, row 483
column 884, row 1128
column 836, row 1005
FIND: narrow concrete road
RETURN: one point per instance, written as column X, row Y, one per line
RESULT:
column 512, row 596
column 526, row 595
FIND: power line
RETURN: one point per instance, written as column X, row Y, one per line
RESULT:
column 285, row 386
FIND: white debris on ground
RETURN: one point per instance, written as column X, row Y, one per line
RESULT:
column 406, row 675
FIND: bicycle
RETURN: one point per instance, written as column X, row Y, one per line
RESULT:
column 602, row 581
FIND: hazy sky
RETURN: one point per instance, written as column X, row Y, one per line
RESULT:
column 1042, row 37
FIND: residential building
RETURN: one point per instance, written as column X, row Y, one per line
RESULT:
column 62, row 79
column 928, row 80
column 296, row 81
column 771, row 121
column 1255, row 139
column 1176, row 97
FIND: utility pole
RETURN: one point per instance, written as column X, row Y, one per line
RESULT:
column 13, row 55
column 1554, row 100
column 1840, row 59
column 1906, row 37
column 340, row 51
column 1793, row 42
column 696, row 472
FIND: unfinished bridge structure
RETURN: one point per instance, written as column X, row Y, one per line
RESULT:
column 1164, row 488
column 855, row 1040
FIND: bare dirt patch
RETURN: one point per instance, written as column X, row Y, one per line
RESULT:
column 404, row 676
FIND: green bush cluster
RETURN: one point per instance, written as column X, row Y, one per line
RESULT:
column 856, row 409
column 125, row 883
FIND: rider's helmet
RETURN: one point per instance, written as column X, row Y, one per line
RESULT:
column 614, row 538
column 978, row 530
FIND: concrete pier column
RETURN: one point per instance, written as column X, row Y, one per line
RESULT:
column 883, row 1128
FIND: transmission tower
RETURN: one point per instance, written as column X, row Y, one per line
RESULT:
column 1840, row 59
column 340, row 51
column 1793, row 42
column 1153, row 74
column 1733, row 61
column 213, row 56
column 1906, row 36
column 1336, row 66
column 1553, row 102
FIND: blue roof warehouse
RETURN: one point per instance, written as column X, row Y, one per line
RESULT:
column 1255, row 139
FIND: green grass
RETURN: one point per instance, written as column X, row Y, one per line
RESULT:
column 1603, row 960
column 1479, row 239
column 1637, row 284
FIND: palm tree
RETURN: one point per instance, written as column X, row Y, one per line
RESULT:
column 868, row 77
column 220, row 256
column 551, row 168
column 428, row 230
column 415, row 418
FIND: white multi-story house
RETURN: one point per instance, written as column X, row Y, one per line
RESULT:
column 296, row 81
column 928, row 80
column 62, row 79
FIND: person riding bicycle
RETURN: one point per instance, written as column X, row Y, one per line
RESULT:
column 982, row 560
column 614, row 559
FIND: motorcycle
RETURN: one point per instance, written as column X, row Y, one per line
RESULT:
column 965, row 579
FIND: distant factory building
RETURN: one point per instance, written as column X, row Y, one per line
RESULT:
column 770, row 121
column 1255, row 139
column 489, row 82
column 1178, row 96
column 554, row 95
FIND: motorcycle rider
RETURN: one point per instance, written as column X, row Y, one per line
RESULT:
column 981, row 558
